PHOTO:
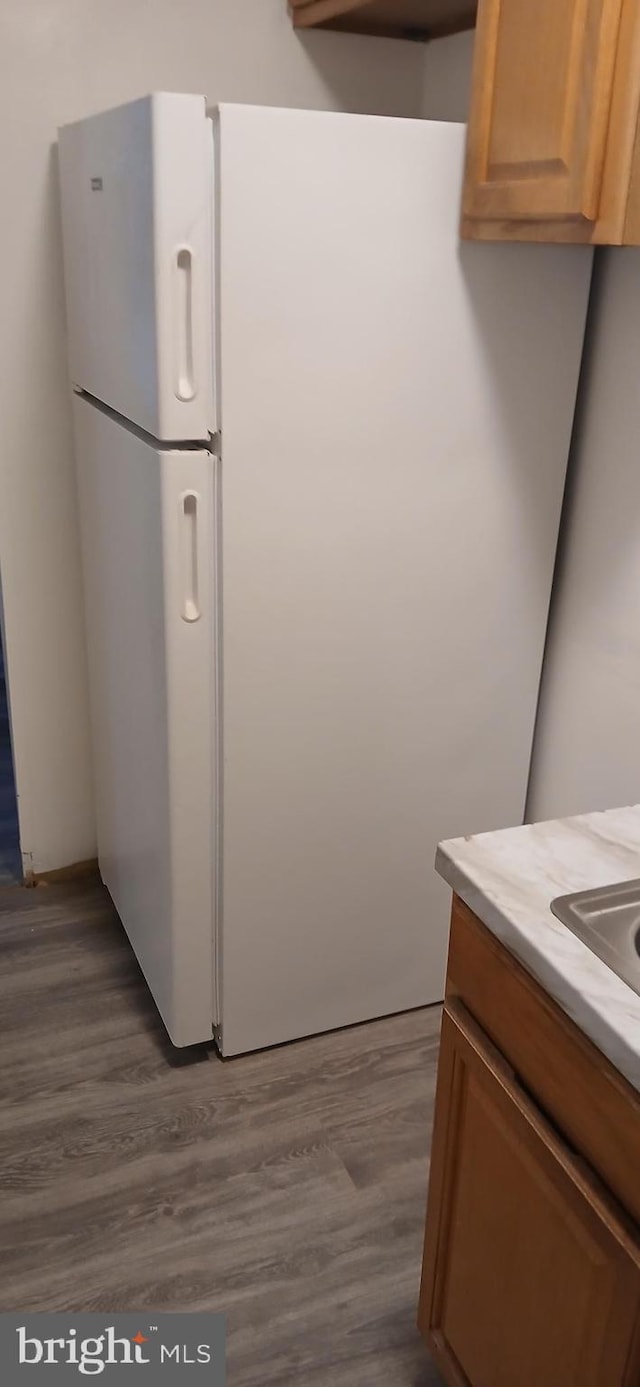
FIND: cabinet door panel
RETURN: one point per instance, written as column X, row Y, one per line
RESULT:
column 530, row 1272
column 542, row 86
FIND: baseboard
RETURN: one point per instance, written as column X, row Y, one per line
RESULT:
column 60, row 874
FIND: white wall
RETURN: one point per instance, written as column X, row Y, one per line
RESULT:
column 586, row 752
column 447, row 77
column 59, row 60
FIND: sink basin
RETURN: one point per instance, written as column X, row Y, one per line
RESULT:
column 607, row 920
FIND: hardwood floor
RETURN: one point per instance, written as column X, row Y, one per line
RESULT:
column 286, row 1188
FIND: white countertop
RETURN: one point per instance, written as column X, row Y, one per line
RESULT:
column 509, row 878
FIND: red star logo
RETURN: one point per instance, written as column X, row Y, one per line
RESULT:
column 139, row 1338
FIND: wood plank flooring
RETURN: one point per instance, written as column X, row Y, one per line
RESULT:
column 285, row 1188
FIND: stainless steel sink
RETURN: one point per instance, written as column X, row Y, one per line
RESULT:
column 607, row 920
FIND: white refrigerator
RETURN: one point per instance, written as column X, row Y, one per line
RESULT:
column 321, row 450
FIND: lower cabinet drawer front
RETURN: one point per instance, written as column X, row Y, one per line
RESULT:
column 597, row 1111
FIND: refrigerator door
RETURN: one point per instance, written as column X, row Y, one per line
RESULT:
column 137, row 196
column 147, row 520
column 396, row 412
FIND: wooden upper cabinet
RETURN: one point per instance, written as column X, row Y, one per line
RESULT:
column 541, row 107
column 408, row 19
column 531, row 1273
column 552, row 124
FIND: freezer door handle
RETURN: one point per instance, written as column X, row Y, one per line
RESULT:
column 185, row 385
column 190, row 607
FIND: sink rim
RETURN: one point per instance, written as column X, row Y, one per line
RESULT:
column 603, row 926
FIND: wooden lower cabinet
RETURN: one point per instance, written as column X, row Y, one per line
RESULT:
column 531, row 1273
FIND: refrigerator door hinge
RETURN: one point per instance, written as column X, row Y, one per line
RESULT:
column 216, row 1032
column 215, row 443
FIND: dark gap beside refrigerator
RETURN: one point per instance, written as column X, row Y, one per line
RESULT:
column 10, row 868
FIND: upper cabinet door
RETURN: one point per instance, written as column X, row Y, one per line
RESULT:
column 542, row 86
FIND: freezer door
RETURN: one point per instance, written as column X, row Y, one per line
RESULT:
column 391, row 498
column 137, row 194
column 147, row 521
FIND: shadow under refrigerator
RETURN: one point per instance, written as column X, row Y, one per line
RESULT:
column 321, row 451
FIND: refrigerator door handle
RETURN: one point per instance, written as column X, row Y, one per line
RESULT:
column 190, row 605
column 185, row 384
